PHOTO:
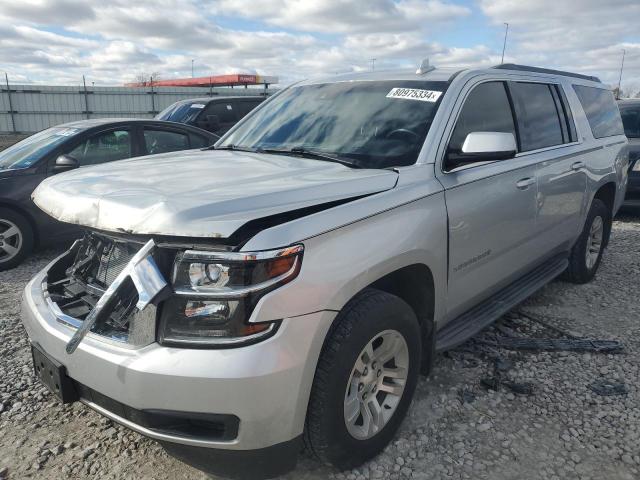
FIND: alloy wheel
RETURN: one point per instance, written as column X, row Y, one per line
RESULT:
column 376, row 384
column 594, row 242
column 10, row 240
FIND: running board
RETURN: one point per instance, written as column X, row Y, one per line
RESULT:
column 484, row 314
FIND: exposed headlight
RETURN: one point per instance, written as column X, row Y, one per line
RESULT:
column 216, row 292
column 636, row 165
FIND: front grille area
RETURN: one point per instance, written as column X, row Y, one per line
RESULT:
column 77, row 285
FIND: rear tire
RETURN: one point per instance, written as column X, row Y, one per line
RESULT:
column 16, row 239
column 586, row 254
column 365, row 380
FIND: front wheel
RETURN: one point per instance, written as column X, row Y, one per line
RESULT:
column 586, row 254
column 365, row 379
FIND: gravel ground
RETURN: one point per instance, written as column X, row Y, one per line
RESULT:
column 456, row 428
column 6, row 140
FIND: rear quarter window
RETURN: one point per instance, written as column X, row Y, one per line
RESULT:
column 601, row 111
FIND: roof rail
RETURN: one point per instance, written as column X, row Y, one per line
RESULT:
column 526, row 68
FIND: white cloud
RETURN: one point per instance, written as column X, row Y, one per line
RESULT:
column 345, row 16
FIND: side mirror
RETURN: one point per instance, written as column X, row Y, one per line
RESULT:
column 484, row 147
column 64, row 163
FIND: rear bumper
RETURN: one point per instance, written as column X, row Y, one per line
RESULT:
column 266, row 385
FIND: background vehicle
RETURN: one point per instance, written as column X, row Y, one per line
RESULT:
column 630, row 112
column 24, row 165
column 215, row 114
column 310, row 266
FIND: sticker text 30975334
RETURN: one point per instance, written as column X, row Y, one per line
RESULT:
column 414, row 94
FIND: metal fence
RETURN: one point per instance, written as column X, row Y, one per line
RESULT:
column 31, row 108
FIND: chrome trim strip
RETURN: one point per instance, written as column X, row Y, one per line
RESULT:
column 157, row 435
column 242, row 256
column 216, row 293
column 221, row 341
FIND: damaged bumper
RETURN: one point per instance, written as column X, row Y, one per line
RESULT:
column 208, row 407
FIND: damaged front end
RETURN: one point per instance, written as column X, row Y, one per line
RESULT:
column 135, row 292
column 110, row 287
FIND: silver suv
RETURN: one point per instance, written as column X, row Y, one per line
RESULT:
column 291, row 283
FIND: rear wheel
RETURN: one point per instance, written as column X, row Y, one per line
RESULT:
column 586, row 254
column 365, row 379
column 16, row 239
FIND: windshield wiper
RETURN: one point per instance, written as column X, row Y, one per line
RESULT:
column 233, row 147
column 304, row 152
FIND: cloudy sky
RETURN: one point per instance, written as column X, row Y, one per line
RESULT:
column 113, row 41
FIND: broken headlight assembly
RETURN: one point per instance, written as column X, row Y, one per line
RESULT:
column 216, row 292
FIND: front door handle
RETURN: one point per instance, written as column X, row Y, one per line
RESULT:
column 525, row 183
column 577, row 166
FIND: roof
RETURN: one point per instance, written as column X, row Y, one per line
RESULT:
column 220, row 97
column 445, row 74
column 98, row 122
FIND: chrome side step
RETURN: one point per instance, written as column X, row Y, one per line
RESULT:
column 484, row 314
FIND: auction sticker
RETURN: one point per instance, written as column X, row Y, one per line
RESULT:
column 414, row 94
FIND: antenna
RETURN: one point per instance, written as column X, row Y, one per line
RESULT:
column 424, row 67
column 504, row 45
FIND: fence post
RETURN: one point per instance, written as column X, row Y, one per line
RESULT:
column 13, row 119
column 153, row 101
column 86, row 97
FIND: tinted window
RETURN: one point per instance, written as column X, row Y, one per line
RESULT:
column 538, row 118
column 631, row 121
column 245, row 106
column 601, row 110
column 161, row 141
column 103, row 147
column 374, row 124
column 199, row 142
column 486, row 109
column 224, row 111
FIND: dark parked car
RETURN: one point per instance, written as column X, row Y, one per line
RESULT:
column 630, row 112
column 217, row 114
column 24, row 165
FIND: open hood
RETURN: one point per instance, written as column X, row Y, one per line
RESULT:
column 208, row 194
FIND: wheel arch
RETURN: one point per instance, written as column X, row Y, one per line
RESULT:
column 607, row 194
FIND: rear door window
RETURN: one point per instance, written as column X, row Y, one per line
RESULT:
column 162, row 141
column 601, row 111
column 539, row 122
column 103, row 147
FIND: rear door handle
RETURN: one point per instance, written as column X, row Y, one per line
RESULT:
column 525, row 183
column 577, row 166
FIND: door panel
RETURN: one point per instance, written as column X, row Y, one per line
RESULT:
column 562, row 185
column 491, row 227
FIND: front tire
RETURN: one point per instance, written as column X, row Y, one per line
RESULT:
column 365, row 380
column 586, row 254
column 16, row 239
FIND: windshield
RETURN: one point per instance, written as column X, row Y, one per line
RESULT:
column 26, row 153
column 181, row 112
column 631, row 121
column 371, row 124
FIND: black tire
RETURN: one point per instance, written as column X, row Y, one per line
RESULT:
column 364, row 317
column 25, row 245
column 578, row 270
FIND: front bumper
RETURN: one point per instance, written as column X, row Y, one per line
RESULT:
column 266, row 385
